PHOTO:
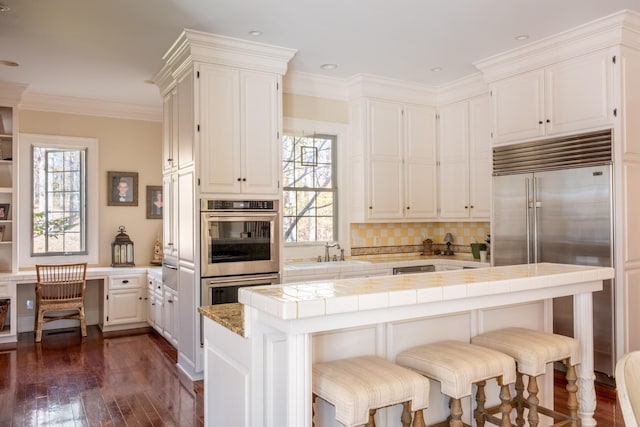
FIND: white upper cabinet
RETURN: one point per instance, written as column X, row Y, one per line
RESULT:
column 397, row 156
column 169, row 131
column 465, row 160
column 239, row 131
column 573, row 95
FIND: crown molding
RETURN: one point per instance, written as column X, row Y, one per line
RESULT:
column 197, row 46
column 461, row 89
column 11, row 93
column 371, row 86
column 307, row 84
column 602, row 33
column 90, row 107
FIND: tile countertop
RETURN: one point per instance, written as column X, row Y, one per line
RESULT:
column 311, row 299
column 29, row 276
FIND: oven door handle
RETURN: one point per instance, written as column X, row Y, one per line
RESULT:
column 244, row 279
column 169, row 266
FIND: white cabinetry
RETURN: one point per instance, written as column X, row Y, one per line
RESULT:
column 239, row 112
column 395, row 161
column 154, row 302
column 125, row 304
column 569, row 96
column 170, row 304
column 465, row 159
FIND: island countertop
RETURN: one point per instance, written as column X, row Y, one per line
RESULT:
column 311, row 299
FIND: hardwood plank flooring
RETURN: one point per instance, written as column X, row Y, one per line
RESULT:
column 125, row 380
column 129, row 380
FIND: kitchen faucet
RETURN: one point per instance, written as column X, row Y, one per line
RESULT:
column 326, row 250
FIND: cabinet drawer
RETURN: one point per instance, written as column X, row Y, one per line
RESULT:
column 133, row 281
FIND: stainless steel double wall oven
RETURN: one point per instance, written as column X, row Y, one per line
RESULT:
column 240, row 242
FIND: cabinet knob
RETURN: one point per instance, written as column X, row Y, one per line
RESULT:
column 370, row 207
column 540, row 122
column 471, row 206
column 169, row 160
column 408, row 207
column 170, row 300
column 125, row 281
column 466, row 207
column 239, row 179
column 548, row 121
column 244, row 179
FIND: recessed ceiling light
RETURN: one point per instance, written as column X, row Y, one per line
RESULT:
column 4, row 8
column 436, row 69
column 328, row 66
column 522, row 37
column 9, row 63
column 255, row 33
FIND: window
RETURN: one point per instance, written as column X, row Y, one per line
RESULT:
column 59, row 194
column 59, row 204
column 309, row 188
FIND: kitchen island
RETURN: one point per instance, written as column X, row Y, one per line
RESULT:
column 260, row 375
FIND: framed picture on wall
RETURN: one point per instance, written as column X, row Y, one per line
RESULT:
column 155, row 203
column 122, row 189
column 4, row 211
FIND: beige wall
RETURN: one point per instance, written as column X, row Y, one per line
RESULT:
column 318, row 109
column 123, row 145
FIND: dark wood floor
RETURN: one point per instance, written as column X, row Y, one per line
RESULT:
column 117, row 381
column 128, row 380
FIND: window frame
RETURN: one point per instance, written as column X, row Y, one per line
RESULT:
column 334, row 189
column 296, row 126
column 25, row 181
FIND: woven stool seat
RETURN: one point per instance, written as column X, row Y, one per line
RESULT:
column 358, row 385
column 457, row 366
column 533, row 350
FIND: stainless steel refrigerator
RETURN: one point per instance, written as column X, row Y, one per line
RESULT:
column 552, row 202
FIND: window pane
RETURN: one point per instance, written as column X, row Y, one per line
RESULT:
column 58, row 220
column 308, row 193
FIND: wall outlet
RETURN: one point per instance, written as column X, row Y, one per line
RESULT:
column 29, row 304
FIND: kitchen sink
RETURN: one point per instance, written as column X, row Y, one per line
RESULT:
column 315, row 264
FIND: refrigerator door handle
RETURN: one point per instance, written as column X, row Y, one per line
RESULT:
column 528, row 218
column 536, row 206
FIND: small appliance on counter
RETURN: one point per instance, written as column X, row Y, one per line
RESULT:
column 427, row 247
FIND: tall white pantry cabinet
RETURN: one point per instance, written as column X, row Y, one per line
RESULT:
column 222, row 125
column 582, row 80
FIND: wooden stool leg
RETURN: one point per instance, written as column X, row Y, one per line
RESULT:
column 313, row 409
column 83, row 322
column 519, row 400
column 405, row 418
column 455, row 407
column 572, row 389
column 372, row 421
column 481, row 398
column 39, row 324
column 533, row 401
column 505, row 405
column 418, row 419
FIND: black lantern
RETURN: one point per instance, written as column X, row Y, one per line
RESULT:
column 122, row 250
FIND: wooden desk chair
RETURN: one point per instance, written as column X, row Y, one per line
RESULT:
column 60, row 288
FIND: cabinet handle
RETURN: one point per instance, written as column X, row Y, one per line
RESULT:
column 169, row 244
column 125, row 281
column 540, row 122
column 170, row 300
column 169, row 160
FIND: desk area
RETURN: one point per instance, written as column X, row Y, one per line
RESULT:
column 128, row 288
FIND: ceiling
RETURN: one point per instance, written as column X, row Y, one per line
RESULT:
column 105, row 50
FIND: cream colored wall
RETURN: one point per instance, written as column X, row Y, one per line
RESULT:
column 318, row 109
column 123, row 145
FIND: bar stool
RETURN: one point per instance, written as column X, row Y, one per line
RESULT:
column 532, row 350
column 457, row 365
column 357, row 386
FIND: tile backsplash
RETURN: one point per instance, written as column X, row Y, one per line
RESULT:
column 390, row 238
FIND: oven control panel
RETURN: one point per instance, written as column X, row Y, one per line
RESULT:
column 238, row 205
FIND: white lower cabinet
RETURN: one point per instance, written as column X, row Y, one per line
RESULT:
column 169, row 307
column 125, row 304
column 154, row 303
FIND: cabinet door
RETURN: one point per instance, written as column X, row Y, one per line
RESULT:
column 188, row 317
column 126, row 306
column 260, row 107
column 479, row 158
column 518, row 108
column 186, row 216
column 169, row 130
column 454, row 160
column 420, row 162
column 170, row 214
column 577, row 94
column 186, row 120
column 169, row 306
column 219, row 90
column 385, row 161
